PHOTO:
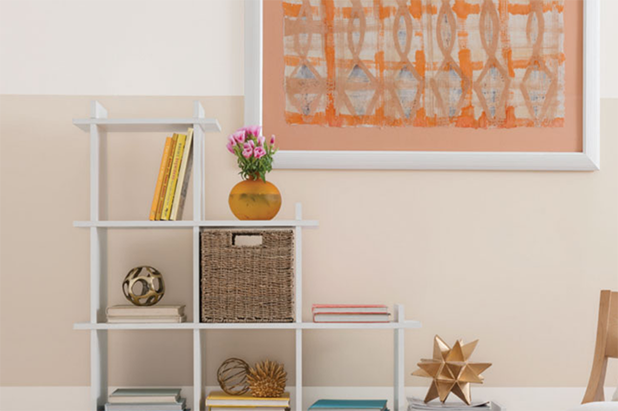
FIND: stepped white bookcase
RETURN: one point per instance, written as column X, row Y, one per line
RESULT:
column 98, row 125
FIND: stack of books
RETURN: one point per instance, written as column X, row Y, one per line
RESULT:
column 173, row 180
column 418, row 404
column 220, row 401
column 146, row 399
column 349, row 405
column 155, row 314
column 349, row 313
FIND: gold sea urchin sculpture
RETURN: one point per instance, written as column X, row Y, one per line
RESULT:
column 451, row 371
column 267, row 379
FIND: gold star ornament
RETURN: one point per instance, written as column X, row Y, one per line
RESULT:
column 451, row 371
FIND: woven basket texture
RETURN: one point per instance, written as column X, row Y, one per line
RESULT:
column 247, row 284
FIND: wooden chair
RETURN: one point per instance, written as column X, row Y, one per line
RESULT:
column 606, row 347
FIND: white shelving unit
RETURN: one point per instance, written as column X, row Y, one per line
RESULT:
column 98, row 125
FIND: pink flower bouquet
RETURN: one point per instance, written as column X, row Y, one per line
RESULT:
column 254, row 153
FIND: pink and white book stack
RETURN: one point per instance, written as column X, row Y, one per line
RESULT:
column 350, row 313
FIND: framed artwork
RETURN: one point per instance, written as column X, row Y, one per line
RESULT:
column 426, row 84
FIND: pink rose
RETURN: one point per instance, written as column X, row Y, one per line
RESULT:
column 253, row 130
column 261, row 140
column 247, row 152
column 239, row 136
column 272, row 139
column 259, row 152
column 231, row 139
column 249, row 145
column 230, row 147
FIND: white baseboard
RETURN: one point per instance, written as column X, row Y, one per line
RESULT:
column 513, row 399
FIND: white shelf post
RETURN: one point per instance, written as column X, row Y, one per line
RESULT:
column 299, row 370
column 98, row 260
column 198, row 205
column 298, row 282
column 198, row 215
column 199, row 200
column 398, row 383
column 197, row 370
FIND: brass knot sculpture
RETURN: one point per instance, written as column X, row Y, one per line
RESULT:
column 232, row 376
column 451, row 371
column 143, row 286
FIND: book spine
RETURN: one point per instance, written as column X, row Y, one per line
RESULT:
column 141, row 317
column 314, row 306
column 185, row 187
column 143, row 313
column 351, row 313
column 155, row 320
column 252, row 406
column 347, row 321
column 183, row 178
column 173, row 180
column 157, row 193
column 166, row 177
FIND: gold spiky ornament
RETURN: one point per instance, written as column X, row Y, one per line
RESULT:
column 451, row 371
column 267, row 379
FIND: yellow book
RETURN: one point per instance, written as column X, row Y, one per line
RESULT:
column 221, row 400
column 155, row 200
column 173, row 180
column 248, row 408
column 183, row 178
column 166, row 177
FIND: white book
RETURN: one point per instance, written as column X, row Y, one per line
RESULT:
column 145, row 395
column 146, row 406
column 157, row 310
column 351, row 318
column 148, row 320
column 349, row 308
column 418, row 404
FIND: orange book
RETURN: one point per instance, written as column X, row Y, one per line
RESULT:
column 162, row 168
column 166, row 177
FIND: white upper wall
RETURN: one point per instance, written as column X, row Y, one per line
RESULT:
column 121, row 47
column 153, row 47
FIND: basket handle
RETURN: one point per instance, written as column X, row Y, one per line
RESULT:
column 247, row 239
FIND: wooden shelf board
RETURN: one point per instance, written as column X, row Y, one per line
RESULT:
column 147, row 124
column 250, row 326
column 190, row 224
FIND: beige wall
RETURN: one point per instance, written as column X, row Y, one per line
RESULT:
column 516, row 259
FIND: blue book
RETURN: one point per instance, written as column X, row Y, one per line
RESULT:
column 350, row 405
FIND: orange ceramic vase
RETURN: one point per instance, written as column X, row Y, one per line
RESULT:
column 255, row 200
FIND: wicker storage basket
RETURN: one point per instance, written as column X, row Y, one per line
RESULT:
column 247, row 283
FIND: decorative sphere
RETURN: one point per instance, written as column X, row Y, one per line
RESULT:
column 143, row 286
column 232, row 376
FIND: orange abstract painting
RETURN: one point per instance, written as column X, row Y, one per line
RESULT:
column 424, row 63
column 500, row 75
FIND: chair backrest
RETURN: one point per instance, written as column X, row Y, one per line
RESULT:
column 606, row 346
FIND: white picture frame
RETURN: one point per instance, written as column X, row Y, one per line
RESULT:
column 587, row 160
